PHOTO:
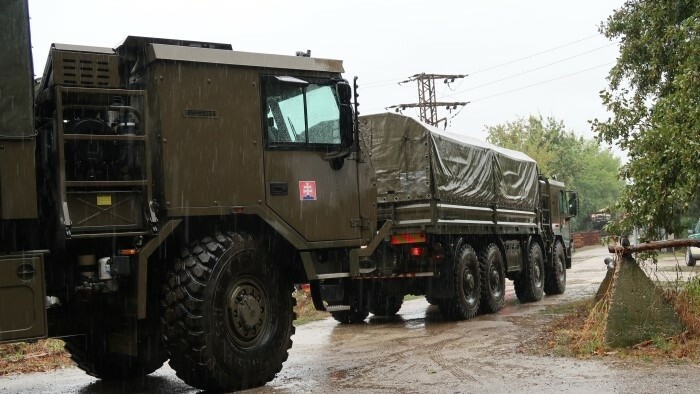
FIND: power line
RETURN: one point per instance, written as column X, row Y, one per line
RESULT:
column 528, row 86
column 534, row 54
column 387, row 82
column 541, row 83
column 527, row 71
column 393, row 82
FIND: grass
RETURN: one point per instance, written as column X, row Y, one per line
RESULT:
column 40, row 356
column 409, row 297
column 306, row 313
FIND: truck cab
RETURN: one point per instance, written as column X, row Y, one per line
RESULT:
column 563, row 205
column 165, row 184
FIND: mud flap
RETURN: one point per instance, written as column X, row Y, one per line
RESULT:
column 442, row 284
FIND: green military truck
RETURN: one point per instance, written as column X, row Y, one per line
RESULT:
column 464, row 216
column 159, row 200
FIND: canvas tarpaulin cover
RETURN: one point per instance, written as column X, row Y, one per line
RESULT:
column 415, row 161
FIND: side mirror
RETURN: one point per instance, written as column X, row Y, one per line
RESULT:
column 346, row 125
column 344, row 92
column 573, row 203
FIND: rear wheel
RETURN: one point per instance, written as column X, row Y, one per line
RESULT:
column 493, row 279
column 467, row 287
column 529, row 284
column 431, row 300
column 227, row 321
column 358, row 312
column 352, row 316
column 357, row 298
column 689, row 260
column 555, row 279
column 385, row 305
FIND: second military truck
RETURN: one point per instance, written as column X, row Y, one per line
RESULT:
column 464, row 216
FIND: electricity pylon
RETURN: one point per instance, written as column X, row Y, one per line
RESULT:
column 427, row 103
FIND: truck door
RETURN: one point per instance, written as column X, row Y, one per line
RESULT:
column 315, row 194
column 559, row 210
column 564, row 217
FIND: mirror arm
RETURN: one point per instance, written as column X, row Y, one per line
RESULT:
column 355, row 118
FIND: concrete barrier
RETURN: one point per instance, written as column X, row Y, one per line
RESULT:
column 638, row 310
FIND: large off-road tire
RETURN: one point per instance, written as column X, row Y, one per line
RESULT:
column 91, row 353
column 357, row 298
column 529, row 284
column 555, row 276
column 493, row 279
column 359, row 310
column 689, row 260
column 228, row 314
column 352, row 316
column 385, row 305
column 467, row 287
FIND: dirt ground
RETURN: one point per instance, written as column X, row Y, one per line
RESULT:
column 418, row 351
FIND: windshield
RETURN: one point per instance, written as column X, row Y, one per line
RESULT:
column 299, row 114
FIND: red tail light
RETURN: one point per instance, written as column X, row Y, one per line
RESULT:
column 402, row 239
column 417, row 251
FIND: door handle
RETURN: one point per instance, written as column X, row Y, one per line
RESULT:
column 278, row 189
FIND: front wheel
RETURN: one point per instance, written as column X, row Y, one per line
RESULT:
column 689, row 260
column 493, row 279
column 555, row 279
column 227, row 319
column 358, row 312
column 386, row 305
column 352, row 316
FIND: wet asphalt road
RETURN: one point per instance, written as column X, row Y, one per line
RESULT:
column 417, row 351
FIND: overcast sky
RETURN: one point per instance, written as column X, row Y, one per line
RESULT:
column 383, row 42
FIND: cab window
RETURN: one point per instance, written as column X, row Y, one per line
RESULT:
column 300, row 113
column 563, row 203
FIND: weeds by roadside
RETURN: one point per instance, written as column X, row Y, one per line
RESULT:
column 579, row 330
column 306, row 313
column 40, row 356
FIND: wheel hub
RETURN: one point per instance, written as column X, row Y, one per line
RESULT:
column 494, row 279
column 560, row 267
column 468, row 280
column 247, row 313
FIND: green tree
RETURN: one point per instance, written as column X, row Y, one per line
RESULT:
column 580, row 163
column 654, row 99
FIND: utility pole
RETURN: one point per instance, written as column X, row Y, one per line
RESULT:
column 427, row 103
